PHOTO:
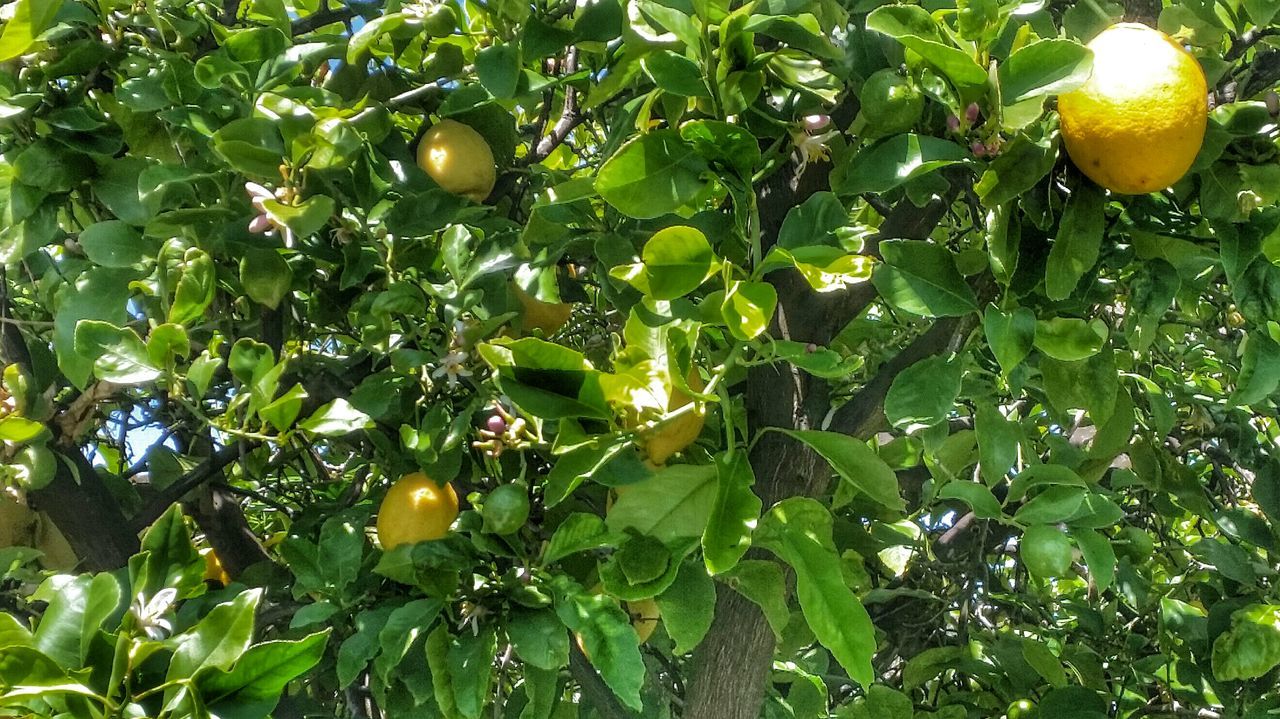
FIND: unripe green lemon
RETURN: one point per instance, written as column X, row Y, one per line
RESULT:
column 440, row 20
column 506, row 509
column 890, row 104
column 1022, row 709
column 1046, row 551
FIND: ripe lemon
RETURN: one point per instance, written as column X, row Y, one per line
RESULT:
column 458, row 159
column 213, row 569
column 644, row 617
column 669, row 438
column 416, row 509
column 1137, row 124
column 536, row 314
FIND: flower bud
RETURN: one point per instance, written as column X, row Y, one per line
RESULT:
column 259, row 224
column 816, row 123
column 496, row 424
column 971, row 113
column 978, row 148
column 953, row 123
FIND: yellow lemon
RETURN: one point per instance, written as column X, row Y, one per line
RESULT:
column 536, row 314
column 644, row 617
column 1137, row 124
column 416, row 509
column 213, row 569
column 458, row 159
column 672, row 437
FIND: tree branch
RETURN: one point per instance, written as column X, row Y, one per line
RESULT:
column 207, row 470
column 319, row 19
column 570, row 117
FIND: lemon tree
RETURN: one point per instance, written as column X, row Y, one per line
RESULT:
column 712, row 359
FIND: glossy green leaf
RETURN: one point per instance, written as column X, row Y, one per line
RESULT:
column 893, row 161
column 674, row 503
column 265, row 276
column 1251, row 647
column 748, row 308
column 1010, row 335
column 1069, row 338
column 112, row 243
column 119, row 354
column 688, row 606
column 1079, row 240
column 856, row 463
column 607, row 638
column 734, row 514
column 798, row 530
column 924, row 394
column 921, row 277
column 1047, row 67
column 912, row 26
column 651, row 175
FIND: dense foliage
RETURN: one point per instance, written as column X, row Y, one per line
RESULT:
column 786, row 366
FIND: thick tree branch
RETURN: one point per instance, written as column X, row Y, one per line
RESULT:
column 352, row 9
column 570, row 117
column 207, row 470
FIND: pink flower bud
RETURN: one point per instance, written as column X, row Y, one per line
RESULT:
column 496, row 424
column 811, row 348
column 953, row 123
column 978, row 149
column 971, row 112
column 816, row 123
column 1273, row 103
column 260, row 224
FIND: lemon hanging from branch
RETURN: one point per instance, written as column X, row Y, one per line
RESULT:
column 458, row 159
column 416, row 509
column 1138, row 122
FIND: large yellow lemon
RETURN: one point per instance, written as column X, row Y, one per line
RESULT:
column 669, row 438
column 458, row 159
column 536, row 314
column 1136, row 125
column 416, row 509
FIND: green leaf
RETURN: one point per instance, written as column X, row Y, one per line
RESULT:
column 283, row 410
column 1019, row 167
column 265, row 276
column 19, row 429
column 168, row 558
column 335, row 419
column 1010, row 335
column 977, row 496
column 98, row 294
column 305, row 218
column 1047, row 67
column 762, row 582
column 798, row 530
column 1079, row 239
column 607, row 638
column 539, row 638
column 675, row 74
column 676, row 502
column 856, row 463
column 688, row 606
column 1046, row 664
column 1259, row 370
column 1099, row 556
column 1039, row 475
column 997, row 443
column 78, row 607
column 1070, row 339
column 218, row 640
column 251, row 145
column 195, row 288
column 674, row 262
column 579, row 532
column 1251, row 647
column 470, row 662
column 362, row 645
column 113, row 243
column 1072, row 703
column 651, row 175
column 264, row 671
column 498, row 69
column 29, row 20
column 921, row 277
column 925, row 393
column 748, row 308
column 825, row 268
column 119, row 354
column 893, row 161
column 1054, row 504
column 912, row 26
column 734, row 514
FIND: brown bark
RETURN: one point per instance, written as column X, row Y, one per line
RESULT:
column 87, row 515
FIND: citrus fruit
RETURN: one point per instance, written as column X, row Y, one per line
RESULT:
column 506, row 509
column 890, row 104
column 671, row 437
column 1021, row 709
column 644, row 617
column 213, row 569
column 536, row 314
column 440, row 20
column 458, row 159
column 416, row 509
column 1046, row 551
column 1137, row 123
